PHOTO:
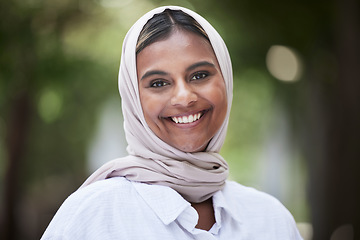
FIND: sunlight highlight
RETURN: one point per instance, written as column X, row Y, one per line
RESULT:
column 113, row 3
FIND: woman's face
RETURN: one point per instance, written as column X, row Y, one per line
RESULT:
column 182, row 91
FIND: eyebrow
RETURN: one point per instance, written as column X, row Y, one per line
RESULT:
column 153, row 72
column 190, row 68
column 200, row 64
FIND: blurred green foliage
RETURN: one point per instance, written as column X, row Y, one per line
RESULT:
column 61, row 57
column 65, row 56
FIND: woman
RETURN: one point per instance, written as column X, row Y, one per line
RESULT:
column 175, row 81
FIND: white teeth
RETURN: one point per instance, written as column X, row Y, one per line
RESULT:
column 191, row 118
column 187, row 119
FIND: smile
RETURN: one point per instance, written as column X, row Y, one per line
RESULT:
column 187, row 119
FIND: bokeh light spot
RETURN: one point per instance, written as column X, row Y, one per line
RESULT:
column 50, row 105
column 284, row 63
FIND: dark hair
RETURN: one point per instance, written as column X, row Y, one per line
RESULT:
column 161, row 25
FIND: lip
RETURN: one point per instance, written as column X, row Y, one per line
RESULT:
column 187, row 125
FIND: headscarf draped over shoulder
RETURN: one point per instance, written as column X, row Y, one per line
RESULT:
column 196, row 176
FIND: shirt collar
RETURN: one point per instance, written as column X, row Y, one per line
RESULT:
column 169, row 204
column 222, row 200
column 164, row 201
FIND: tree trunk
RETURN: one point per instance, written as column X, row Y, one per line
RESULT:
column 335, row 182
column 16, row 137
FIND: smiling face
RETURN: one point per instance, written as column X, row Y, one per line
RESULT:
column 182, row 91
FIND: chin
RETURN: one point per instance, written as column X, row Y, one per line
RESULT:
column 192, row 148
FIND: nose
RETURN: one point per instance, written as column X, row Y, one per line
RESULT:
column 183, row 94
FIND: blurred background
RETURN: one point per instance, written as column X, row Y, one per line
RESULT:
column 295, row 125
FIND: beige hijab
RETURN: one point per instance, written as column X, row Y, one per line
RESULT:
column 196, row 176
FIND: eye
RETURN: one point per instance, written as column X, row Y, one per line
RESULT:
column 158, row 84
column 199, row 76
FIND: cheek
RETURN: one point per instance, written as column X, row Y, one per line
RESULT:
column 219, row 99
column 151, row 106
column 217, row 95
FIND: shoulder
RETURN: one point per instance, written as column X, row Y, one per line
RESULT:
column 118, row 187
column 90, row 207
column 100, row 194
column 260, row 212
column 244, row 195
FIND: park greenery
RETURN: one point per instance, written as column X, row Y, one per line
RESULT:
column 296, row 140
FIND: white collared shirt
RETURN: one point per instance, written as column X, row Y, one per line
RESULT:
column 120, row 209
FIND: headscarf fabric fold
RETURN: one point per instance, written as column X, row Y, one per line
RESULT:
column 196, row 176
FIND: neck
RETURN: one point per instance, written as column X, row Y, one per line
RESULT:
column 206, row 214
